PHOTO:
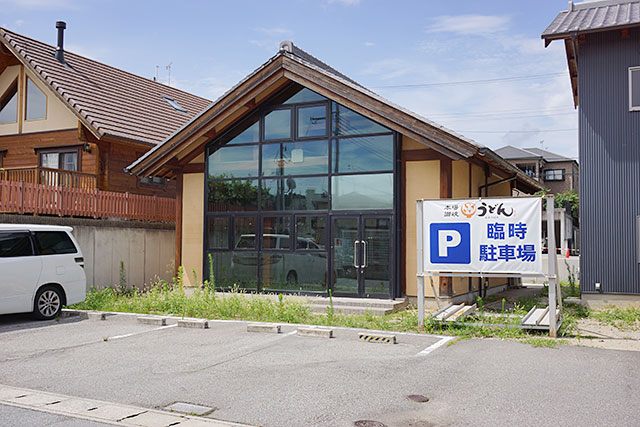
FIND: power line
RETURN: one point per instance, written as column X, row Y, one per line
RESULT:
column 517, row 131
column 503, row 117
column 464, row 82
column 502, row 112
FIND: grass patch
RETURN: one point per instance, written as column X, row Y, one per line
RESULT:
column 543, row 342
column 622, row 318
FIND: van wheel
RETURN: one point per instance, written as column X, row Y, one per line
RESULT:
column 48, row 303
column 292, row 278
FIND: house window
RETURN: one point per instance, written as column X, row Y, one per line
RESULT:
column 554, row 175
column 60, row 159
column 9, row 104
column 153, row 180
column 634, row 89
column 36, row 107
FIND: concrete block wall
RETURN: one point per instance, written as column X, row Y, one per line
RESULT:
column 147, row 249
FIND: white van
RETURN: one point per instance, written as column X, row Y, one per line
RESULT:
column 41, row 269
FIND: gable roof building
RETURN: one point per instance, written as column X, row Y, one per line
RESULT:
column 299, row 149
column 113, row 116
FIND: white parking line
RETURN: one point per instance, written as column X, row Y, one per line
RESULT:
column 436, row 345
column 115, row 337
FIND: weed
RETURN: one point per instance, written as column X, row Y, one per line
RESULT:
column 543, row 342
column 212, row 279
column 330, row 309
column 621, row 318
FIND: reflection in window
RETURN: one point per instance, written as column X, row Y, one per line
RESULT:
column 295, row 158
column 294, row 271
column 305, row 95
column 371, row 191
column 9, row 104
column 244, row 232
column 250, row 134
column 59, row 160
column 218, row 232
column 348, row 122
column 295, row 194
column 36, row 102
column 244, row 270
column 312, row 121
column 234, row 161
column 277, row 124
column 373, row 153
column 276, row 232
column 236, row 195
column 311, row 232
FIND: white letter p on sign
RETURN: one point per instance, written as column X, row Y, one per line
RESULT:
column 447, row 239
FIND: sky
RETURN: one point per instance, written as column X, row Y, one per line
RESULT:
column 479, row 68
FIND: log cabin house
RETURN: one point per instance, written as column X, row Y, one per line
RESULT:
column 299, row 179
column 67, row 120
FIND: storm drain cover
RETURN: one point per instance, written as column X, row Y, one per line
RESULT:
column 188, row 408
column 418, row 398
column 368, row 423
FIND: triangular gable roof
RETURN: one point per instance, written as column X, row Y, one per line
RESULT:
column 107, row 100
column 548, row 156
column 293, row 64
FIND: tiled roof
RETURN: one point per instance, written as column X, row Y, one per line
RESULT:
column 112, row 101
column 548, row 155
column 594, row 16
column 510, row 152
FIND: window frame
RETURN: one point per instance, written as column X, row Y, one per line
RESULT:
column 631, row 106
column 46, row 100
column 562, row 174
column 60, row 151
column 4, row 96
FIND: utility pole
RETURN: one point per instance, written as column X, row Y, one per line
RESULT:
column 168, row 68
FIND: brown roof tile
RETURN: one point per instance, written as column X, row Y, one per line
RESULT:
column 114, row 102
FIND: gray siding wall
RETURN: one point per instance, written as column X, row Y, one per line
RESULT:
column 609, row 163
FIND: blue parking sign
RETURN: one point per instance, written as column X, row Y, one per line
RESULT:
column 450, row 243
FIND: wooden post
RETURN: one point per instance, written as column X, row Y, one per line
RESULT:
column 21, row 210
column 552, row 253
column 178, row 248
column 155, row 208
column 95, row 203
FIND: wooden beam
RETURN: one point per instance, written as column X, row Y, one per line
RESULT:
column 193, row 168
column 420, row 155
column 178, row 247
column 446, row 192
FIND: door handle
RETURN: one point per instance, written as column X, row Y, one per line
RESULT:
column 355, row 253
column 364, row 248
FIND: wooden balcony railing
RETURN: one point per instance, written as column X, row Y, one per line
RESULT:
column 23, row 197
column 48, row 176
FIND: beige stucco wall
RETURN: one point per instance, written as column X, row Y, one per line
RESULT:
column 422, row 182
column 192, row 223
column 58, row 116
column 7, row 77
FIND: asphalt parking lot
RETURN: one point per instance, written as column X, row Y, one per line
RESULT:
column 289, row 380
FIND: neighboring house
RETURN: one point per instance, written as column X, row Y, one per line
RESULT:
column 556, row 172
column 601, row 39
column 298, row 179
column 67, row 120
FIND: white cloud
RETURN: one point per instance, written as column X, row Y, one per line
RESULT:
column 368, row 44
column 18, row 23
column 38, row 4
column 469, row 24
column 275, row 31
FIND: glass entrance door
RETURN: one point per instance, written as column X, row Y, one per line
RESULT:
column 362, row 248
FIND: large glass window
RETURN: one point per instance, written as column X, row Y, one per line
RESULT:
column 36, row 102
column 295, row 158
column 9, row 104
column 355, row 192
column 295, row 194
column 230, row 162
column 277, row 124
column 292, row 163
column 374, row 153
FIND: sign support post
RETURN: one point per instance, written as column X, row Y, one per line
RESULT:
column 420, row 264
column 553, row 278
